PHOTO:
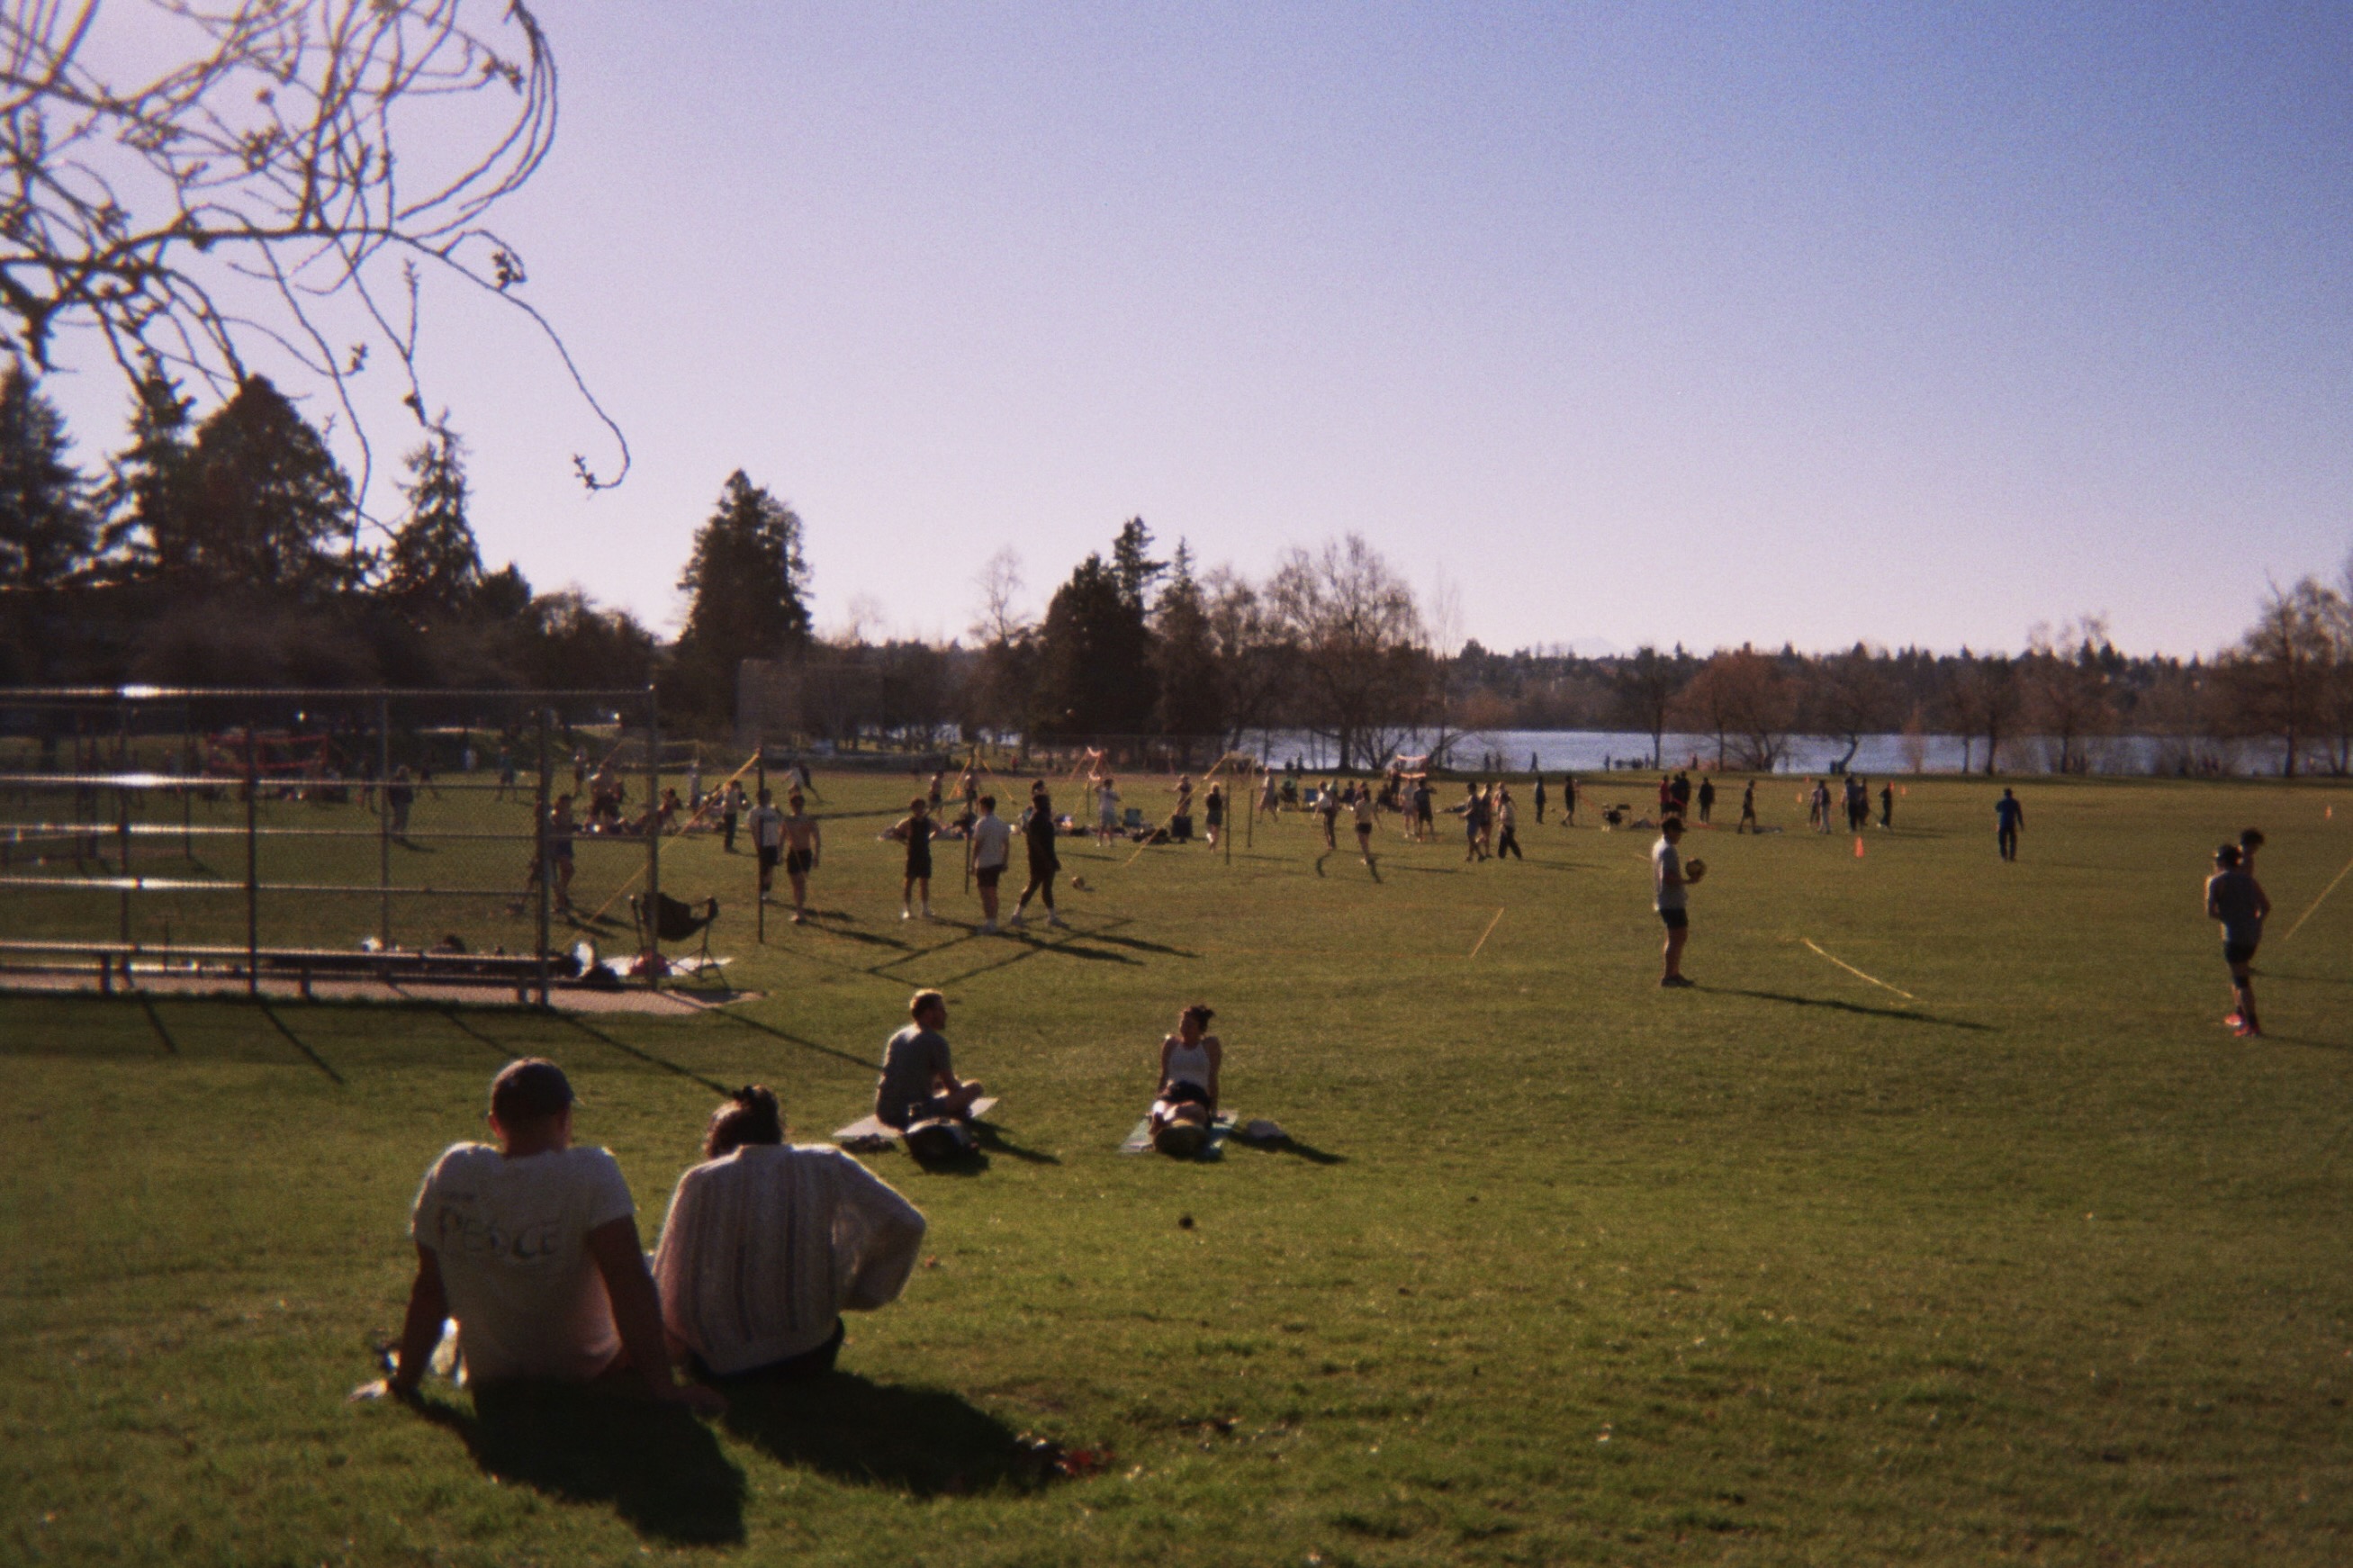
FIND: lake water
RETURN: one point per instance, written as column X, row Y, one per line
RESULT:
column 1591, row 751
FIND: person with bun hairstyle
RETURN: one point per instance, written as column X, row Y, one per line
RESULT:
column 767, row 1243
column 1184, row 1104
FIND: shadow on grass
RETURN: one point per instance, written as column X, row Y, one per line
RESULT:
column 986, row 1135
column 459, row 1022
column 299, row 1044
column 1901, row 1014
column 1286, row 1144
column 645, row 1056
column 2306, row 1041
column 2302, row 979
column 1429, row 871
column 660, row 1469
column 791, row 1038
column 155, row 1022
column 921, row 1441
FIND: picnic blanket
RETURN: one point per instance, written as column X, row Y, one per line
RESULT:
column 868, row 1136
column 1140, row 1141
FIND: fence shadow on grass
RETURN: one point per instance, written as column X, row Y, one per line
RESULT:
column 925, row 1442
column 660, row 1469
column 1900, row 1015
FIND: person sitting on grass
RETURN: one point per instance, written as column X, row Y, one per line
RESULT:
column 767, row 1243
column 919, row 1081
column 532, row 1246
column 1184, row 1104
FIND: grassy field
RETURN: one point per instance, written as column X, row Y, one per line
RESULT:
column 2034, row 1263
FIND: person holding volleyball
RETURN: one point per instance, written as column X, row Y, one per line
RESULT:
column 1670, row 876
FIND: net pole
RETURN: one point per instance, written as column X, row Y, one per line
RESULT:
column 759, row 899
column 252, row 869
column 545, row 871
column 382, row 817
column 653, row 839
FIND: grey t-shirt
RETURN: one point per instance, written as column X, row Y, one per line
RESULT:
column 2237, row 902
column 911, row 1065
column 1666, row 861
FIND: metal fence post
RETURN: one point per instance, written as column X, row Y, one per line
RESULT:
column 383, row 820
column 543, row 870
column 252, row 866
column 653, row 937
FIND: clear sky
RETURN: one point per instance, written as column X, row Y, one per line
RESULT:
column 1908, row 324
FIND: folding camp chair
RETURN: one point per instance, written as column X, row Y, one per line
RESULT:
column 678, row 921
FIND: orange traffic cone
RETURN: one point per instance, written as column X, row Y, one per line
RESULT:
column 1858, row 847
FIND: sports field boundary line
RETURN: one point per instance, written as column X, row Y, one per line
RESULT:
column 2316, row 903
column 1858, row 973
column 1485, row 934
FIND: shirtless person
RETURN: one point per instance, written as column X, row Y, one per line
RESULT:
column 802, row 842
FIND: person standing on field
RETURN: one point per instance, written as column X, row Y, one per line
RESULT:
column 1538, row 796
column 1748, row 823
column 1508, row 831
column 803, row 841
column 1038, row 828
column 767, row 825
column 2009, row 818
column 1706, row 799
column 992, row 848
column 1886, row 805
column 1669, row 882
column 2236, row 900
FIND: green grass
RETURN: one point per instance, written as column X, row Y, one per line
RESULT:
column 2038, row 1264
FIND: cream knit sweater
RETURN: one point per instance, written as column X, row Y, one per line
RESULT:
column 762, row 1252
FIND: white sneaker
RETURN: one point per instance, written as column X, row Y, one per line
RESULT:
column 906, row 914
column 988, row 928
column 1055, row 920
column 927, row 913
column 1018, row 922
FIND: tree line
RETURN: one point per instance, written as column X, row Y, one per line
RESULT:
column 231, row 548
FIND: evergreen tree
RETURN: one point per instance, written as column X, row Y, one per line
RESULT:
column 747, row 587
column 1185, row 656
column 146, row 500
column 433, row 564
column 1131, row 566
column 270, row 505
column 1095, row 669
column 46, row 527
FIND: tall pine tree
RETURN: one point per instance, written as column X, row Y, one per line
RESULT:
column 46, row 530
column 146, row 498
column 747, row 595
column 268, row 505
column 434, row 566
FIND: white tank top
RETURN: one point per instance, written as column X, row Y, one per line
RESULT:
column 1189, row 1064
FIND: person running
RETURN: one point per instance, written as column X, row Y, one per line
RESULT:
column 1364, row 809
column 1508, row 818
column 803, row 840
column 1038, row 828
column 767, row 825
column 531, row 1244
column 1106, row 810
column 766, row 1244
column 1886, row 806
column 2009, row 820
column 919, row 1081
column 1213, row 812
column 1474, row 810
column 1748, row 823
column 1269, row 799
column 1669, row 883
column 1327, row 807
column 2236, row 900
column 992, row 848
column 1706, row 800
column 915, row 830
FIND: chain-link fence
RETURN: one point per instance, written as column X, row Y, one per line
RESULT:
column 244, row 833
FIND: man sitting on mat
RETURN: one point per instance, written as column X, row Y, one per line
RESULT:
column 767, row 1243
column 919, row 1081
column 1185, row 1103
column 532, row 1247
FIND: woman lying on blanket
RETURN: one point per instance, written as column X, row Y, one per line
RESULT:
column 1187, row 1101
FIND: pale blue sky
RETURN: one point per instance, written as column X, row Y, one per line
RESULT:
column 1709, row 324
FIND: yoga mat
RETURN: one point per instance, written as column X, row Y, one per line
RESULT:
column 1140, row 1141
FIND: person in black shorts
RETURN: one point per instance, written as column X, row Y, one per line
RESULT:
column 1038, row 828
column 1213, row 810
column 1706, row 799
column 2235, row 899
column 767, row 825
column 916, row 829
column 2009, row 817
column 803, row 840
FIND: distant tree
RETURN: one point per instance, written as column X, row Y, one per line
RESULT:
column 1364, row 676
column 1849, row 697
column 999, row 680
column 433, row 565
column 1185, row 661
column 1984, row 700
column 268, row 505
column 746, row 586
column 2283, row 668
column 1094, row 663
column 1253, row 669
column 1743, row 698
column 1132, row 564
column 147, row 499
column 2066, row 680
column 1645, row 692
column 47, row 530
column 574, row 642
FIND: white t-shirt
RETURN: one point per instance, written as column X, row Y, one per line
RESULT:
column 764, row 1248
column 1666, row 861
column 767, row 825
column 1109, row 805
column 512, row 1240
column 992, row 841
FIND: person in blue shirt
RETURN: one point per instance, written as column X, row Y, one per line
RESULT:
column 2009, row 817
